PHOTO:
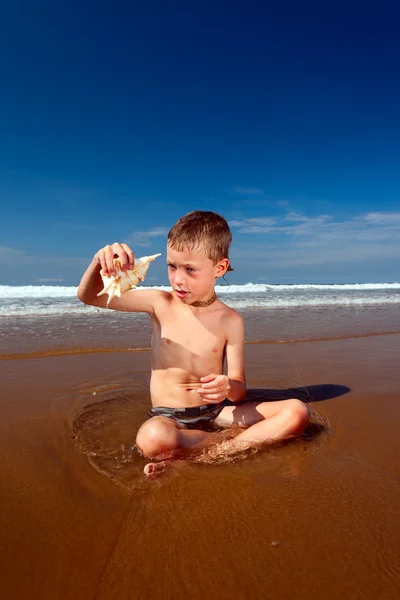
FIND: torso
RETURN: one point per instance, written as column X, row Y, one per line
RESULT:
column 195, row 340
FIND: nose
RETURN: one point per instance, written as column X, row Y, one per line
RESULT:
column 179, row 278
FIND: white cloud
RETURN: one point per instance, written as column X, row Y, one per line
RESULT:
column 12, row 256
column 50, row 279
column 296, row 217
column 383, row 217
column 15, row 257
column 256, row 221
column 319, row 240
column 248, row 191
column 22, row 267
column 7, row 251
column 144, row 238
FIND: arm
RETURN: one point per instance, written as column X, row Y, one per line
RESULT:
column 91, row 283
column 235, row 359
column 216, row 388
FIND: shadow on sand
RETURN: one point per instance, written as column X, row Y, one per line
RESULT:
column 310, row 393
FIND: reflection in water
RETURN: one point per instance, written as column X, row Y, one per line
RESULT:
column 105, row 431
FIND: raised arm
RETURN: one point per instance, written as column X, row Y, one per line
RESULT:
column 91, row 283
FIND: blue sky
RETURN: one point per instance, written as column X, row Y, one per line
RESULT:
column 116, row 119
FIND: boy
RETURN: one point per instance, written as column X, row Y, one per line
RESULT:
column 193, row 333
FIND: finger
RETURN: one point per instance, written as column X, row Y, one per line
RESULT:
column 218, row 383
column 131, row 256
column 212, row 386
column 109, row 258
column 202, row 392
column 209, row 392
column 103, row 263
column 208, row 378
column 119, row 252
column 214, row 398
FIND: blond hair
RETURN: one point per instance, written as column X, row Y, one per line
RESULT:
column 202, row 229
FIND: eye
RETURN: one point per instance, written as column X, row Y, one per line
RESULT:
column 191, row 270
column 170, row 266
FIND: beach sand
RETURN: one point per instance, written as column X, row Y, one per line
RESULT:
column 316, row 518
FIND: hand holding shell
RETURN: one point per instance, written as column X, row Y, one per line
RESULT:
column 123, row 281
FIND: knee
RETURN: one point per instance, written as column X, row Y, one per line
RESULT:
column 299, row 415
column 157, row 436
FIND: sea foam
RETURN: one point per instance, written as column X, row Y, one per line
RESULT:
column 61, row 300
column 59, row 291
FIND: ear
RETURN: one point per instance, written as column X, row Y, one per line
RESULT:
column 222, row 267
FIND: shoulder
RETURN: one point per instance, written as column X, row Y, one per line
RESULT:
column 233, row 327
column 163, row 300
column 230, row 314
column 232, row 320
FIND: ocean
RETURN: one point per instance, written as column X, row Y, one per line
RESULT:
column 48, row 317
column 62, row 300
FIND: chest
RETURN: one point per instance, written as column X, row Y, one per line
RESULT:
column 198, row 335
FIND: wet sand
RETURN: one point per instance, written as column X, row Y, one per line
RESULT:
column 317, row 518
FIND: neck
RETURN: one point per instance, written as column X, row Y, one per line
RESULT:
column 204, row 303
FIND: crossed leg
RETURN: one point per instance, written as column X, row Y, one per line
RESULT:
column 164, row 437
column 266, row 421
column 258, row 423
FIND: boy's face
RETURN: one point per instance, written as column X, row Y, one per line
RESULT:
column 192, row 274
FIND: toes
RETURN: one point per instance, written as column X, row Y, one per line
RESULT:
column 147, row 469
column 154, row 470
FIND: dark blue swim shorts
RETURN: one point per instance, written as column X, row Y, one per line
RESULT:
column 193, row 417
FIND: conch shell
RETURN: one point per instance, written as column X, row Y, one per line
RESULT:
column 123, row 281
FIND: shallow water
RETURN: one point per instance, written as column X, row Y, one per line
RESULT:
column 108, row 330
column 103, row 429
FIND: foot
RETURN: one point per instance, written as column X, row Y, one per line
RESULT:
column 154, row 470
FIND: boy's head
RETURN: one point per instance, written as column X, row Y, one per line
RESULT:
column 202, row 231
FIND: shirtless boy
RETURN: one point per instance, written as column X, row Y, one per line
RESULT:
column 193, row 334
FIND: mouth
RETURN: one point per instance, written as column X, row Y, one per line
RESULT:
column 181, row 293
